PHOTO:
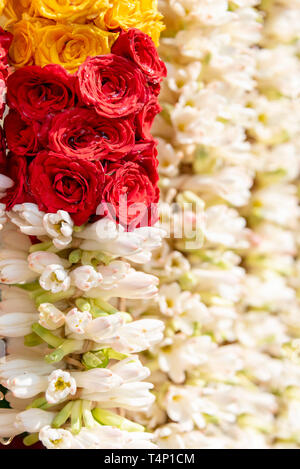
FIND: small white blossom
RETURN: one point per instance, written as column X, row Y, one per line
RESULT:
column 38, row 261
column 50, row 317
column 61, row 385
column 56, row 438
column 86, row 277
column 55, row 279
column 28, row 218
column 59, row 226
column 77, row 321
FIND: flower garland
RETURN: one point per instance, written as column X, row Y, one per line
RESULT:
column 227, row 372
column 79, row 192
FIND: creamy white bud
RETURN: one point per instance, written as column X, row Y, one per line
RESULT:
column 61, row 385
column 78, row 321
column 16, row 271
column 28, row 218
column 136, row 336
column 86, row 277
column 136, row 285
column 56, row 438
column 17, row 324
column 59, row 226
column 38, row 261
column 50, row 317
column 55, row 279
column 33, row 420
column 97, row 380
column 113, row 273
column 26, row 385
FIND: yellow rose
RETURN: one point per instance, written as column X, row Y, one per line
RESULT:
column 70, row 45
column 68, row 10
column 14, row 9
column 21, row 52
column 126, row 14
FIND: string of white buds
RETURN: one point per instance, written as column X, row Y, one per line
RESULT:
column 70, row 365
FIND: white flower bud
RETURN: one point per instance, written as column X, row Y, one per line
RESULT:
column 26, row 384
column 15, row 271
column 55, row 279
column 61, row 385
column 17, row 324
column 97, row 380
column 28, row 218
column 32, row 420
column 77, row 321
column 50, row 317
column 113, row 273
column 38, row 261
column 136, row 285
column 105, row 235
column 86, row 277
column 56, row 438
column 59, row 226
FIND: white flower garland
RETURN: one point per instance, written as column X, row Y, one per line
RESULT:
column 227, row 373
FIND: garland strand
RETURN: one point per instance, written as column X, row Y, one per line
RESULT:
column 79, row 193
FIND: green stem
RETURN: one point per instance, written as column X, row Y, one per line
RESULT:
column 40, row 403
column 67, row 347
column 47, row 336
column 106, row 307
column 76, row 416
column 32, row 340
column 88, row 418
column 75, row 256
column 48, row 297
column 83, row 304
column 41, row 246
column 30, row 287
column 63, row 415
column 105, row 417
column 30, row 440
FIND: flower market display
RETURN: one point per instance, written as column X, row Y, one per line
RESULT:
column 227, row 373
column 79, row 190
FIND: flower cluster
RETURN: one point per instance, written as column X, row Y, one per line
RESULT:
column 227, row 372
column 70, row 353
column 81, row 143
column 79, row 192
column 66, row 33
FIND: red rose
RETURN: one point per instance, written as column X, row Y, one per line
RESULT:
column 16, row 169
column 22, row 137
column 145, row 154
column 139, row 47
column 146, row 116
column 38, row 92
column 131, row 192
column 82, row 133
column 61, row 183
column 113, row 85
